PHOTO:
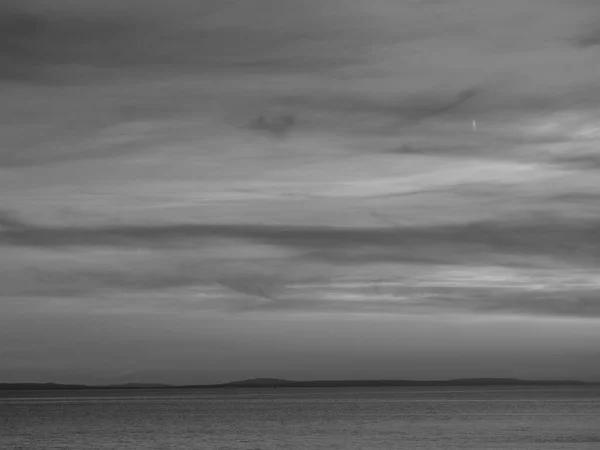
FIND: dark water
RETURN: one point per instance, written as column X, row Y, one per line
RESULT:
column 381, row 418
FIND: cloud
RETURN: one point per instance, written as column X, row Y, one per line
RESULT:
column 407, row 109
column 383, row 214
column 175, row 283
column 32, row 42
column 416, row 72
column 435, row 290
column 217, row 267
column 278, row 126
column 42, row 42
column 458, row 302
column 9, row 220
column 96, row 141
column 534, row 267
column 582, row 161
column 544, row 236
column 588, row 40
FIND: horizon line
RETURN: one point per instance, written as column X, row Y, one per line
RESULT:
column 277, row 382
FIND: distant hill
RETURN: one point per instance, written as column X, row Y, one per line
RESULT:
column 260, row 382
column 267, row 382
column 137, row 386
column 40, row 386
column 276, row 382
column 58, row 386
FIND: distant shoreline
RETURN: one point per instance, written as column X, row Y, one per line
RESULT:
column 268, row 383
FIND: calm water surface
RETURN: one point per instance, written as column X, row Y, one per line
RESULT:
column 303, row 418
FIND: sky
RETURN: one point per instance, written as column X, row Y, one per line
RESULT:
column 430, row 212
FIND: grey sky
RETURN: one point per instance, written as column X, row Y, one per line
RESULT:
column 141, row 214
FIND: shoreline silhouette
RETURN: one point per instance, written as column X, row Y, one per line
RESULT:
column 281, row 383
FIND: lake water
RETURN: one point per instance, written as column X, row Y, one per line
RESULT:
column 303, row 418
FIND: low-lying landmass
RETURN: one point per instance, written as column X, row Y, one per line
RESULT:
column 279, row 383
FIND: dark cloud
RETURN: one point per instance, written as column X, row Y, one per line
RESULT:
column 9, row 220
column 16, row 29
column 587, row 40
column 588, row 34
column 590, row 161
column 407, row 109
column 278, row 126
column 32, row 43
column 41, row 43
column 560, row 238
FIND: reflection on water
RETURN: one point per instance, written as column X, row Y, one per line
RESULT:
column 247, row 419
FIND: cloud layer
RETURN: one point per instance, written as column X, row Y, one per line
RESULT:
column 530, row 268
column 441, row 165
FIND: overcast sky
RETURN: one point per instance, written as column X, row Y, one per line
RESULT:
column 432, row 212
